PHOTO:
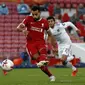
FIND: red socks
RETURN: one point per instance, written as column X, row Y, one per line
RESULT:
column 45, row 70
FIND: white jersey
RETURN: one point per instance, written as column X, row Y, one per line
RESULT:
column 60, row 34
column 63, row 39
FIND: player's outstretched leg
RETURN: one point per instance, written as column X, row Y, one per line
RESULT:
column 42, row 63
column 52, row 78
column 47, row 72
column 74, row 73
column 73, row 62
column 74, row 69
column 42, row 60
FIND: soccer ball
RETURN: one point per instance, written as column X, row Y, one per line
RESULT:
column 7, row 65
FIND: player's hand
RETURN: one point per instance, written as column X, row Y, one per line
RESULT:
column 55, row 51
column 21, row 25
column 25, row 32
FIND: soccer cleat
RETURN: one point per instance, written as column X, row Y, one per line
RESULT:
column 52, row 78
column 74, row 72
column 42, row 63
column 5, row 72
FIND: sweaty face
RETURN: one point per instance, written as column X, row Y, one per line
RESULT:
column 51, row 23
column 36, row 15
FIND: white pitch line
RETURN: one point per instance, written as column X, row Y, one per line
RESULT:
column 33, row 75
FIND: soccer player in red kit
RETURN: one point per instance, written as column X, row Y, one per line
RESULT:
column 33, row 27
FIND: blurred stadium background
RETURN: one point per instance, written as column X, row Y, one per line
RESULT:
column 12, row 43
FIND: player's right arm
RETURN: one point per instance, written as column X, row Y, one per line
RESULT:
column 22, row 27
column 66, row 24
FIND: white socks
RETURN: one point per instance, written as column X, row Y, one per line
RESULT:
column 71, row 66
column 70, row 58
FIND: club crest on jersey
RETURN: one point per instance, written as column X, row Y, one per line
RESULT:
column 32, row 23
column 42, row 24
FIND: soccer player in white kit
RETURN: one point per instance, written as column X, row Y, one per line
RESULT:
column 64, row 42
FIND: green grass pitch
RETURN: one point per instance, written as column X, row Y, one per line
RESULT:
column 37, row 77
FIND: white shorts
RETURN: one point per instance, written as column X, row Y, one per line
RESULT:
column 64, row 49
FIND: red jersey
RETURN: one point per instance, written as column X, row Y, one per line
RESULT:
column 36, row 28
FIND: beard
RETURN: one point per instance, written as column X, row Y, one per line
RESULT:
column 36, row 19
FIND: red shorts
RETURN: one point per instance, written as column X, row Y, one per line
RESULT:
column 34, row 47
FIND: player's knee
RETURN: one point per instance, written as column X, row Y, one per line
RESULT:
column 35, row 56
column 43, row 51
column 64, row 58
column 64, row 63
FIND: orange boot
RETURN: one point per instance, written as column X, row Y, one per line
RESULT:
column 5, row 72
column 74, row 73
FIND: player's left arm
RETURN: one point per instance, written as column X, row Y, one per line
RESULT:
column 66, row 24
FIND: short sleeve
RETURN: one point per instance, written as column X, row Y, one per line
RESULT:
column 26, row 20
column 62, row 25
column 65, row 25
column 46, row 25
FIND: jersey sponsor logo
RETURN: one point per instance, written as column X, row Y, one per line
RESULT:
column 58, row 30
column 58, row 34
column 63, row 24
column 36, row 29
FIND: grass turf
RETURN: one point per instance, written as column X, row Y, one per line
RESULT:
column 37, row 77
